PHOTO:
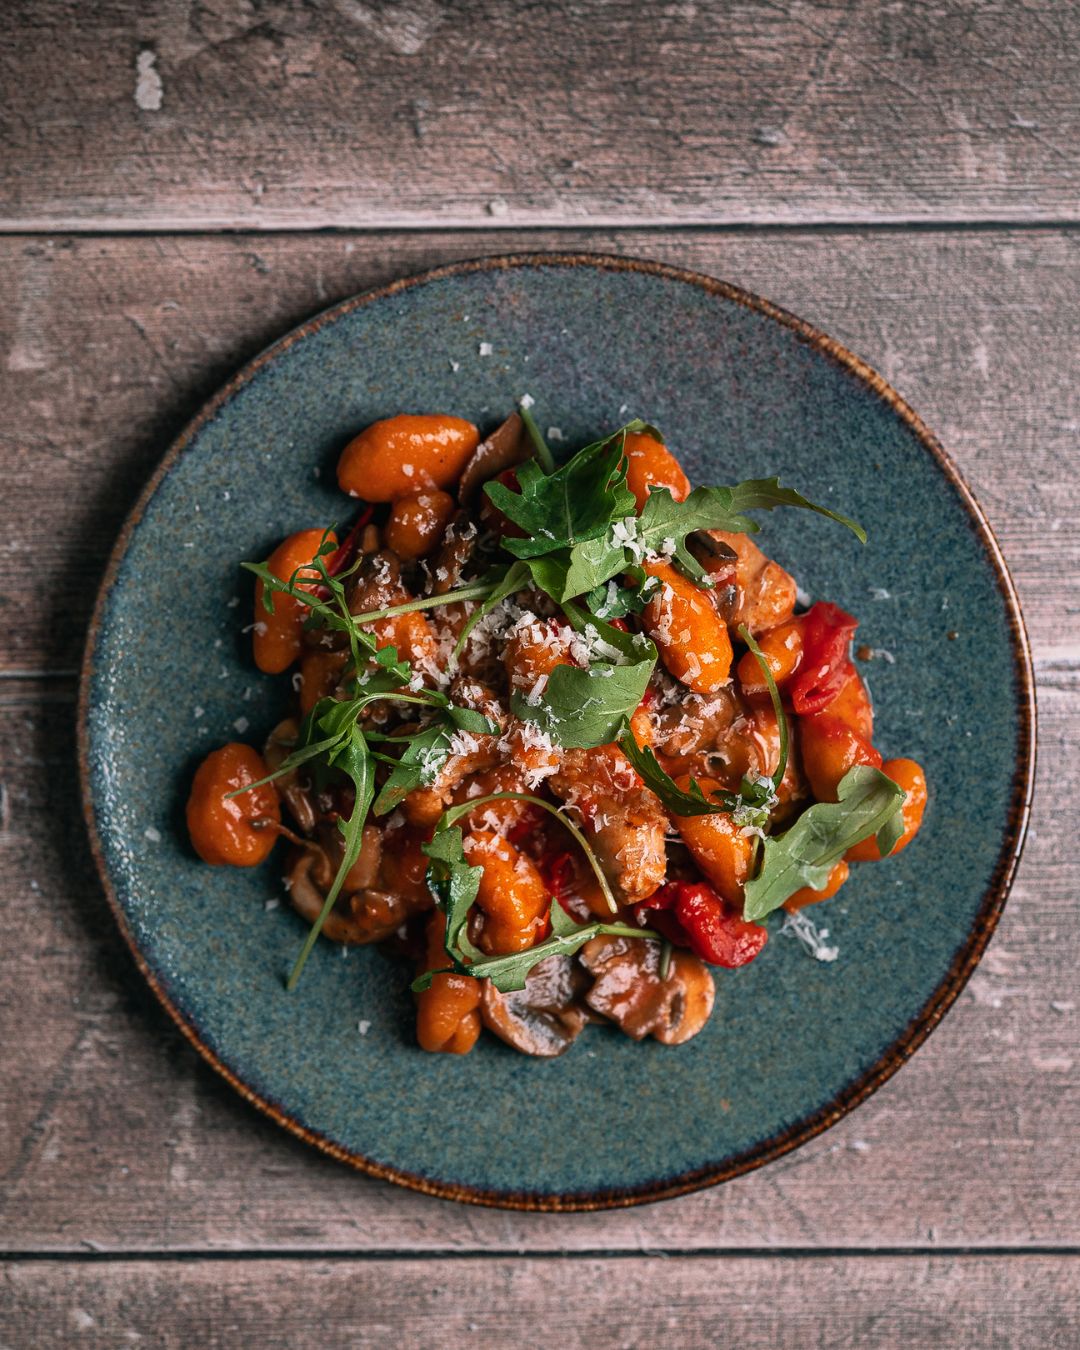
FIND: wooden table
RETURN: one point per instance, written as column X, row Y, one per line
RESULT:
column 184, row 180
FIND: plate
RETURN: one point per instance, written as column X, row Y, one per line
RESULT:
column 741, row 389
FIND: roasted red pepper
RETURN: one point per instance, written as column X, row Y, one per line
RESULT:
column 691, row 914
column 826, row 666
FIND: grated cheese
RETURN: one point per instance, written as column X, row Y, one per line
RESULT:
column 811, row 938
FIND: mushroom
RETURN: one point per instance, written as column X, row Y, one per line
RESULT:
column 457, row 548
column 751, row 588
column 297, row 796
column 360, row 915
column 546, row 1016
column 630, row 992
column 627, row 836
column 506, row 446
column 623, row 820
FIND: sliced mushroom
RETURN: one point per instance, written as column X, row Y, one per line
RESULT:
column 629, row 846
column 751, row 588
column 364, row 871
column 377, row 583
column 366, row 915
column 629, row 990
column 458, row 545
column 544, row 1018
column 296, row 795
column 624, row 821
column 506, row 446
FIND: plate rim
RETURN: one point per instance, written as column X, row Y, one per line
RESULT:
column 982, row 927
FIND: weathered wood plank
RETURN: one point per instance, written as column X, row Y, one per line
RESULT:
column 111, row 345
column 971, row 1303
column 176, row 115
column 113, row 1135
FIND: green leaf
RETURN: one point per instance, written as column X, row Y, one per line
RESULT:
column 468, row 719
column 890, row 833
column 612, row 600
column 418, row 766
column 576, row 502
column 665, row 522
column 805, row 854
column 508, row 973
column 562, row 924
column 672, row 797
column 454, row 884
column 764, row 494
column 353, row 758
column 587, row 707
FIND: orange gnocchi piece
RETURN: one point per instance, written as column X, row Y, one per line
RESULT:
column 910, row 776
column 223, row 829
column 447, row 1013
column 649, row 463
column 692, row 638
column 277, row 639
column 400, row 455
column 723, row 854
column 512, row 893
column 418, row 522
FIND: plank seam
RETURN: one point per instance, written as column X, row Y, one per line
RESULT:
column 402, row 1254
column 853, row 225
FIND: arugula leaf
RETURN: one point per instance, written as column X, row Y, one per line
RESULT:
column 805, row 854
column 765, row 494
column 453, row 813
column 418, row 766
column 454, row 884
column 353, row 758
column 587, row 707
column 510, row 972
column 576, row 502
column 613, row 600
column 890, row 833
column 665, row 521
column 693, row 802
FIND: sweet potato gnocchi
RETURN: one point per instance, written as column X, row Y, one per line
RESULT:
column 559, row 736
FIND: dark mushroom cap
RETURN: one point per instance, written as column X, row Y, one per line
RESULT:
column 544, row 1018
column 506, row 446
column 630, row 992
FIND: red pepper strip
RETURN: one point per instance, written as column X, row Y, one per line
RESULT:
column 342, row 556
column 717, row 934
column 525, row 828
column 557, row 870
column 691, row 914
column 826, row 666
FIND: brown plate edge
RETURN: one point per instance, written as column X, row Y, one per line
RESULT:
column 985, row 921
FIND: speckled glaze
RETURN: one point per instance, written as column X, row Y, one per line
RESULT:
column 740, row 389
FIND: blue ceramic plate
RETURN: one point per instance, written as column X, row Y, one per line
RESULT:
column 741, row 390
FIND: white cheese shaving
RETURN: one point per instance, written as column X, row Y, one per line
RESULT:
column 811, row 938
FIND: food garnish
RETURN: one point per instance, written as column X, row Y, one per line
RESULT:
column 570, row 670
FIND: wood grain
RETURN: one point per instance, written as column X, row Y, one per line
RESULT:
column 484, row 113
column 1027, row 1303
column 114, row 1136
column 112, row 344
